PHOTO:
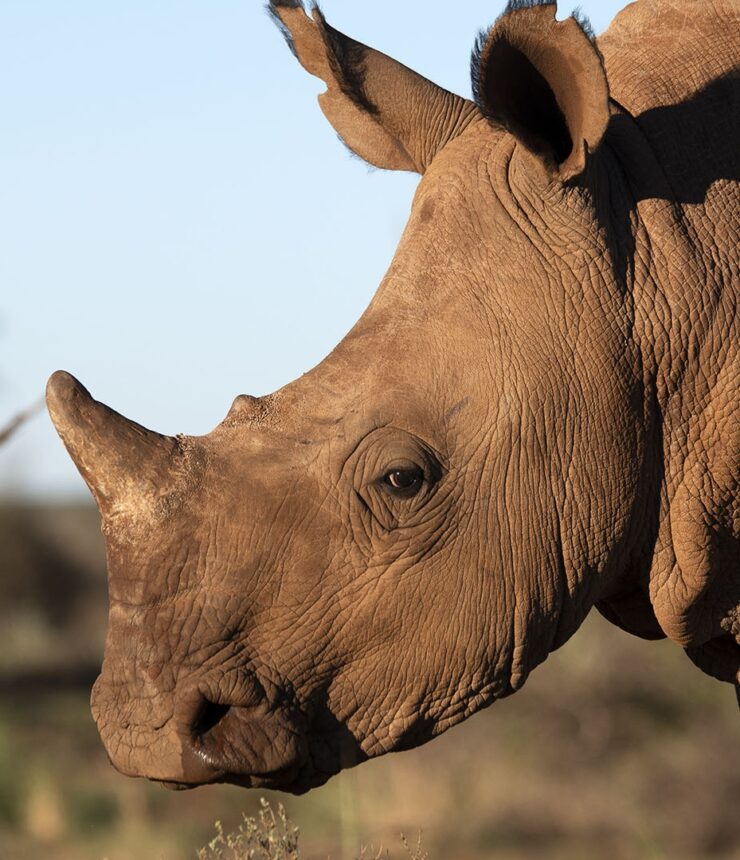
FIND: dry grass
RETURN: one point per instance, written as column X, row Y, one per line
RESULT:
column 267, row 836
column 270, row 835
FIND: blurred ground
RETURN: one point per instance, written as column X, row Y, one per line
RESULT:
column 616, row 748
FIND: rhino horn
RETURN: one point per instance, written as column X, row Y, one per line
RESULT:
column 125, row 465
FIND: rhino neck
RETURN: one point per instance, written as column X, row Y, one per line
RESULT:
column 692, row 345
column 682, row 287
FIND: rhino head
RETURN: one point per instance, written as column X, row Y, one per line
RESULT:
column 361, row 560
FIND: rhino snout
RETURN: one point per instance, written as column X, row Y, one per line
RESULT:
column 215, row 732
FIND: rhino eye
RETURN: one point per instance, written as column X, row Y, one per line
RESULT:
column 404, row 482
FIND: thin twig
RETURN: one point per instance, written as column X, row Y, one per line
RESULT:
column 19, row 420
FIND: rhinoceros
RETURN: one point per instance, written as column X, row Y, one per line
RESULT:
column 536, row 415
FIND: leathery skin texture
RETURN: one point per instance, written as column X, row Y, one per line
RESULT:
column 536, row 415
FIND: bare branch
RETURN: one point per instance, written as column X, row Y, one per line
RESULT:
column 19, row 420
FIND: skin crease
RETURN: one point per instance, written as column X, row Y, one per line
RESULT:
column 279, row 613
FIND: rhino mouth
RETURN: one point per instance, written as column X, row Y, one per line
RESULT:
column 282, row 779
column 234, row 746
column 204, row 739
column 247, row 746
column 200, row 768
column 227, row 727
column 295, row 768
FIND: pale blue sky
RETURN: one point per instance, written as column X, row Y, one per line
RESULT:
column 178, row 222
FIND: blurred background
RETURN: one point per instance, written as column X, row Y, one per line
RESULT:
column 179, row 225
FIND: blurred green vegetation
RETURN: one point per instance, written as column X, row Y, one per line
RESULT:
column 616, row 748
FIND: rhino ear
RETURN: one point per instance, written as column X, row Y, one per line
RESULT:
column 544, row 81
column 386, row 113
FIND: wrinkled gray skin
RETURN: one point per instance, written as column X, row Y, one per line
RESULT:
column 550, row 366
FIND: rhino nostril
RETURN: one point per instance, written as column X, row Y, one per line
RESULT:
column 208, row 716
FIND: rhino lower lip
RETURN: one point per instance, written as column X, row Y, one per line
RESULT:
column 279, row 779
column 175, row 786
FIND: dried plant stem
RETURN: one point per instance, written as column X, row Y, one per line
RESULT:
column 19, row 420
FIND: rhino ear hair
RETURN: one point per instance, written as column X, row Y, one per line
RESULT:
column 544, row 81
column 387, row 114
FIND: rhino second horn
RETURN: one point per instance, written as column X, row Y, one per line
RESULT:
column 124, row 464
